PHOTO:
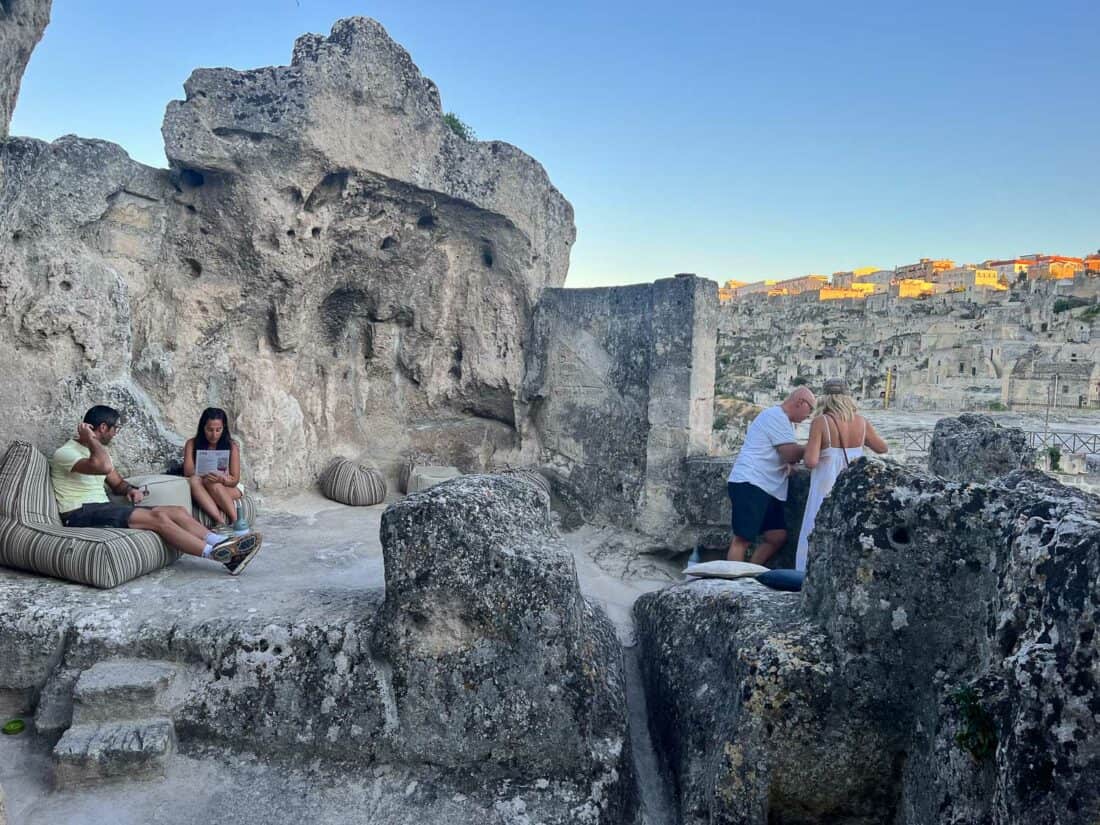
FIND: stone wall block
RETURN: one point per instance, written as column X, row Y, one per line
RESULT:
column 975, row 448
column 499, row 666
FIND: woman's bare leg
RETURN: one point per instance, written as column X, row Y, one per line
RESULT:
column 200, row 494
column 226, row 497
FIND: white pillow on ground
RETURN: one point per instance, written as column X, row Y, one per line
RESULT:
column 725, row 570
column 423, row 477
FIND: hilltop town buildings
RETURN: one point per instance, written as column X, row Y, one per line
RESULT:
column 1014, row 333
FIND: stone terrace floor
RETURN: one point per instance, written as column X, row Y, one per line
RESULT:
column 320, row 561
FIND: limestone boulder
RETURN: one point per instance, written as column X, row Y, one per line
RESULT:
column 939, row 666
column 975, row 448
column 22, row 23
column 498, row 664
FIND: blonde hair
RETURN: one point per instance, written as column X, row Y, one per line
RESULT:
column 839, row 404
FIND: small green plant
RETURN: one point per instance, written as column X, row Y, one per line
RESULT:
column 1055, row 456
column 1066, row 304
column 1090, row 313
column 799, row 380
column 997, row 406
column 721, row 422
column 977, row 734
column 459, row 126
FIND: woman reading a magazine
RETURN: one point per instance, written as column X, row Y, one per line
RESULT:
column 212, row 464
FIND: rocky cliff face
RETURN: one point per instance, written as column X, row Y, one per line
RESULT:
column 325, row 259
column 940, row 665
column 21, row 25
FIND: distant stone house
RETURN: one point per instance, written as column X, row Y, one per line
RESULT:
column 1044, row 376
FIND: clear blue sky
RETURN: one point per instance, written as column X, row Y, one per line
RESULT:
column 731, row 139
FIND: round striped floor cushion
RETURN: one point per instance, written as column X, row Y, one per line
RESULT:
column 351, row 483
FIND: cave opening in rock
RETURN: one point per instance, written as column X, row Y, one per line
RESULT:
column 192, row 179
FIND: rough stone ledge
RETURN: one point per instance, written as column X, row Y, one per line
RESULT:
column 325, row 671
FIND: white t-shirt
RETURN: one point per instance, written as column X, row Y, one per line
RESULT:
column 759, row 462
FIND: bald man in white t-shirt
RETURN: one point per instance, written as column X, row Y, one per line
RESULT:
column 757, row 485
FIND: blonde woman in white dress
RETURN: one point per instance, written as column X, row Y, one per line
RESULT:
column 837, row 437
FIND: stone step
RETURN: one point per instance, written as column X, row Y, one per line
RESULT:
column 121, row 689
column 133, row 749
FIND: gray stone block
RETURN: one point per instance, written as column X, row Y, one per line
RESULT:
column 131, row 749
column 975, row 448
column 497, row 665
column 120, row 689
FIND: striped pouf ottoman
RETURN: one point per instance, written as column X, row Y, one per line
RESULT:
column 350, row 483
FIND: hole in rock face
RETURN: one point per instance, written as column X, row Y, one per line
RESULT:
column 487, row 256
column 65, row 286
column 388, row 242
column 330, row 189
column 290, row 233
column 196, row 267
column 426, row 221
column 368, row 342
column 263, row 646
column 456, row 368
column 191, row 178
column 16, row 236
column 900, row 535
column 340, row 307
column 315, row 232
column 277, row 650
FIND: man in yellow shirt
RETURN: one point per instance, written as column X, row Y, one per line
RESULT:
column 82, row 466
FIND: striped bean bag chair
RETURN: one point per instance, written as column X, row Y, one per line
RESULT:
column 33, row 539
column 351, row 483
column 248, row 510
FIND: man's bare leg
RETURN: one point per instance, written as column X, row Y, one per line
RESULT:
column 160, row 521
column 773, row 541
column 738, row 548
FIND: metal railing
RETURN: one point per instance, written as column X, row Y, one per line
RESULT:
column 1087, row 443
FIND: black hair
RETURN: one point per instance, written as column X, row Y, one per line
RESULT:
column 212, row 414
column 102, row 414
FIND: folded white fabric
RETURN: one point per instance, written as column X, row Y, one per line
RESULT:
column 725, row 570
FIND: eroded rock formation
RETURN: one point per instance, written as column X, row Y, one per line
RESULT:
column 975, row 448
column 325, row 258
column 940, row 666
column 22, row 23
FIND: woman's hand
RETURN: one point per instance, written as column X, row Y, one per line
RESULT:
column 215, row 478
